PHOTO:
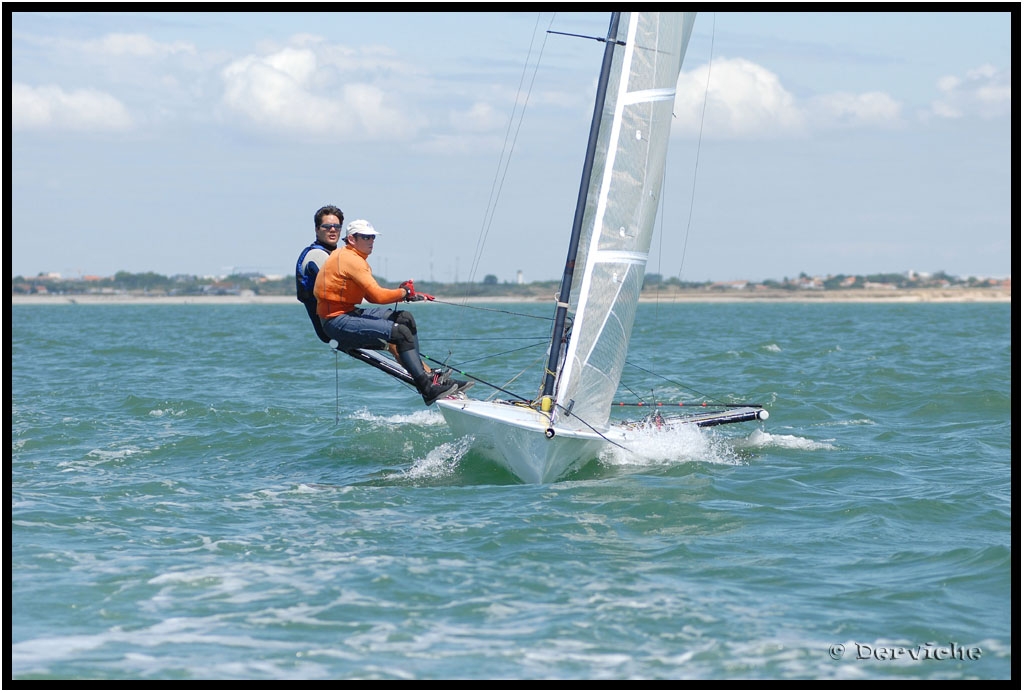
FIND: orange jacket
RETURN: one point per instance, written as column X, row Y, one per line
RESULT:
column 345, row 281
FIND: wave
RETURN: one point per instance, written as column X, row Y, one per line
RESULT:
column 441, row 462
column 758, row 440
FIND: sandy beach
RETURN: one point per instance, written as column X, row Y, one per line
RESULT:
column 957, row 295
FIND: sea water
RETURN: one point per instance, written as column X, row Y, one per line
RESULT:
column 207, row 492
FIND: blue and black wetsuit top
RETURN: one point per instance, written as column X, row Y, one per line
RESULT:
column 311, row 259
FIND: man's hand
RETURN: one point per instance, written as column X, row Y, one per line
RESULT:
column 410, row 291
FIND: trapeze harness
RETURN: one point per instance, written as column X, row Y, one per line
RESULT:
column 305, row 279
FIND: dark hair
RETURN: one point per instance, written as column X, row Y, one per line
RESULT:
column 324, row 211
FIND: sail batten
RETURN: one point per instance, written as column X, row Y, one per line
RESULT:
column 650, row 95
column 621, row 207
column 620, row 256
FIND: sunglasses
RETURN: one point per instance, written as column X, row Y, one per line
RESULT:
column 331, row 227
column 363, row 236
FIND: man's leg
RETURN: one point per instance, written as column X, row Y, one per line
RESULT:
column 404, row 317
column 430, row 388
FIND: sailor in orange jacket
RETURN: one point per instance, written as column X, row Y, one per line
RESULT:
column 344, row 282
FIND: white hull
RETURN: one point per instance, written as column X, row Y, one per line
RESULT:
column 518, row 438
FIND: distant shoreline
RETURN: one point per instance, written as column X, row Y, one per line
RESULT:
column 958, row 295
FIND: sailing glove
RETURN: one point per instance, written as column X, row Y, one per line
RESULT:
column 411, row 294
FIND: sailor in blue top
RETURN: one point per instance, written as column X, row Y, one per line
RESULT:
column 327, row 223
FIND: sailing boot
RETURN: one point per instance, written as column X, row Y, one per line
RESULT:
column 446, row 375
column 431, row 386
column 416, row 341
column 393, row 348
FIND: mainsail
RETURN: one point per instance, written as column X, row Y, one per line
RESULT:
column 622, row 204
column 618, row 200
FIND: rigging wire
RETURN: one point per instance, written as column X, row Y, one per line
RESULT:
column 529, row 366
column 448, row 340
column 504, row 160
column 700, row 136
column 685, row 387
column 484, row 382
column 568, row 412
column 493, row 310
column 504, row 353
column 505, row 157
column 484, row 339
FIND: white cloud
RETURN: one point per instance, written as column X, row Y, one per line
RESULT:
column 480, row 117
column 843, row 109
column 50, row 107
column 441, row 144
column 745, row 100
column 136, row 45
column 293, row 90
column 984, row 92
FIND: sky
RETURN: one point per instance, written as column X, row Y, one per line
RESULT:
column 203, row 142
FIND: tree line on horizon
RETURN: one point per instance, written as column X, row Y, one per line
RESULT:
column 253, row 282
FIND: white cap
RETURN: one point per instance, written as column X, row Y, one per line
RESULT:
column 361, row 226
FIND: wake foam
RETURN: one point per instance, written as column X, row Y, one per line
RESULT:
column 420, row 417
column 670, row 446
column 688, row 443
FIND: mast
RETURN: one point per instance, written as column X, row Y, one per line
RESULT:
column 550, row 373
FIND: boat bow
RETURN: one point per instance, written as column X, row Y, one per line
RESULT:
column 523, row 439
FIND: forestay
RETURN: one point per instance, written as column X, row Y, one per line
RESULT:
column 622, row 205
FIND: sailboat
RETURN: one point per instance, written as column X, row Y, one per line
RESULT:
column 620, row 189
